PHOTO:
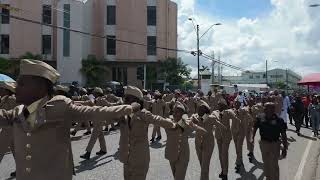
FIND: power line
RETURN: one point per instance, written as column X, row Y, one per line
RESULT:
column 222, row 63
column 92, row 34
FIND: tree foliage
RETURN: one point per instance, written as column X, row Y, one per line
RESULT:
column 94, row 70
column 29, row 55
column 175, row 71
column 9, row 67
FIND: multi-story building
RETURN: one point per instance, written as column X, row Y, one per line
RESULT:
column 123, row 34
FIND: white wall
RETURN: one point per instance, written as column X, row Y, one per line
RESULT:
column 69, row 67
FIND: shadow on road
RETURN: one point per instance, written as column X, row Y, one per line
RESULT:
column 91, row 164
column 248, row 175
column 157, row 145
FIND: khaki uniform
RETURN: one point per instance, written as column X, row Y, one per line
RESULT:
column 177, row 149
column 43, row 150
column 86, row 124
column 168, row 97
column 239, row 132
column 278, row 102
column 212, row 102
column 147, row 102
column 97, row 132
column 6, row 137
column 205, row 144
column 134, row 146
column 254, row 112
column 223, row 137
column 191, row 104
column 158, row 108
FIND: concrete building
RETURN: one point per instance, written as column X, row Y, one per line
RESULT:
column 139, row 27
column 275, row 76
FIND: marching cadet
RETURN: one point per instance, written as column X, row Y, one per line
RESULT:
column 255, row 110
column 191, row 104
column 271, row 129
column 83, row 97
column 147, row 100
column 97, row 132
column 177, row 149
column 205, row 143
column 158, row 108
column 239, row 130
column 110, row 97
column 211, row 100
column 61, row 90
column 41, row 126
column 278, row 102
column 7, row 102
column 134, row 147
column 168, row 96
column 224, row 136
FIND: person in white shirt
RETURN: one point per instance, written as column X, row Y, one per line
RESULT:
column 241, row 99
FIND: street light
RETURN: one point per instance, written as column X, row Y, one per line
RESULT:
column 314, row 5
column 196, row 28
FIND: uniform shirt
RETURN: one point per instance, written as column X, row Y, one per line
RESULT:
column 271, row 129
column 32, row 108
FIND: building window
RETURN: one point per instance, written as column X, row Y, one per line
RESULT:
column 46, row 44
column 251, row 77
column 120, row 74
column 66, row 32
column 258, row 77
column 111, row 45
column 152, row 15
column 5, row 44
column 264, row 75
column 111, row 15
column 206, row 77
column 152, row 45
column 46, row 14
column 5, row 17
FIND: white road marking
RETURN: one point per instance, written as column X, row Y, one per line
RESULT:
column 303, row 161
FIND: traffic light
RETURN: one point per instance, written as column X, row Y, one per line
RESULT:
column 140, row 73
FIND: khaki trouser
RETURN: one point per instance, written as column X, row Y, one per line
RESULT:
column 270, row 155
column 223, row 147
column 156, row 131
column 179, row 169
column 79, row 126
column 137, row 167
column 204, row 154
column 97, row 133
column 238, row 142
column 250, row 144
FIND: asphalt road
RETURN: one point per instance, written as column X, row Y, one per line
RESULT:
column 302, row 163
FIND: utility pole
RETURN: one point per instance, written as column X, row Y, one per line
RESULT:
column 267, row 72
column 287, row 82
column 212, row 71
column 198, row 56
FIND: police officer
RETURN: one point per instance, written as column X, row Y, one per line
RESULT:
column 272, row 128
column 41, row 126
column 7, row 102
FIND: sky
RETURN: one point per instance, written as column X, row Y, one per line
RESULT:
column 284, row 32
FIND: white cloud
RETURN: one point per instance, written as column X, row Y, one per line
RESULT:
column 290, row 34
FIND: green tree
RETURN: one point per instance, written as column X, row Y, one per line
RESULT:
column 29, row 55
column 281, row 85
column 175, row 71
column 9, row 67
column 94, row 70
column 151, row 75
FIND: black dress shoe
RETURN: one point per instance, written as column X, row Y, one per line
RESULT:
column 86, row 156
column 101, row 153
column 220, row 175
column 112, row 129
column 73, row 133
column 152, row 139
column 224, row 177
column 158, row 138
column 106, row 129
column 13, row 174
column 87, row 133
